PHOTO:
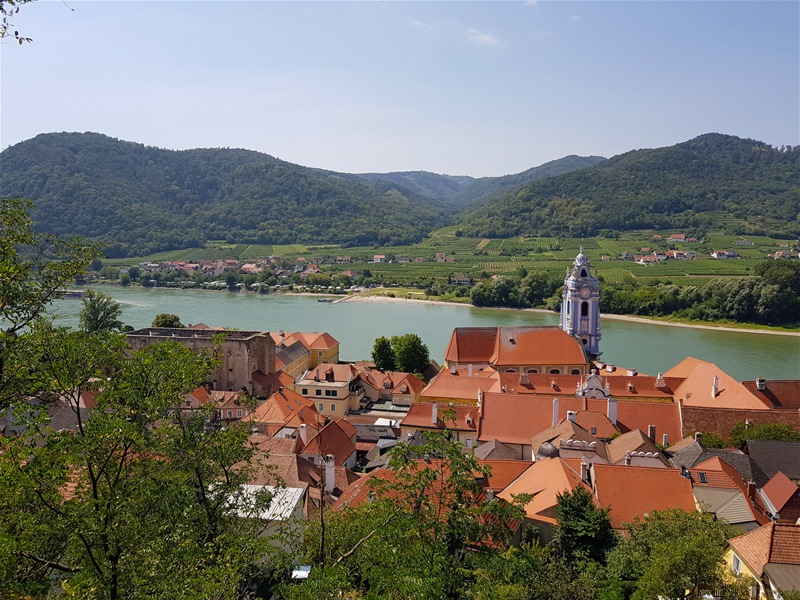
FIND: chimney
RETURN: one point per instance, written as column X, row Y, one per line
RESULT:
column 761, row 384
column 571, row 415
column 651, row 432
column 555, row 412
column 585, row 471
column 715, row 387
column 685, row 473
column 489, row 495
column 698, row 437
column 627, row 458
column 304, row 433
column 665, row 440
column 434, row 413
column 469, row 370
column 330, row 473
column 453, row 369
column 751, row 490
column 480, row 397
column 660, row 383
column 523, row 379
column 611, row 411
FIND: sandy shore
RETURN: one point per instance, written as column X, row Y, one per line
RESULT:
column 387, row 299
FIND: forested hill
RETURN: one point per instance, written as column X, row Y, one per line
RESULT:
column 460, row 191
column 685, row 186
column 140, row 199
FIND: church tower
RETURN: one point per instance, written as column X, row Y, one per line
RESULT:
column 580, row 307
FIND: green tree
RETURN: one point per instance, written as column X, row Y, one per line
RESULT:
column 411, row 355
column 741, row 432
column 672, row 554
column 100, row 313
column 34, row 268
column 584, row 531
column 132, row 503
column 167, row 320
column 383, row 354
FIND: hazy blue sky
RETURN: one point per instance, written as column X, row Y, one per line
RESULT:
column 464, row 88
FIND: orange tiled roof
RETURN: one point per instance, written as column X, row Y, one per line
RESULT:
column 536, row 346
column 420, row 415
column 459, row 386
column 473, row 345
column 633, row 492
column 780, row 489
column 331, row 439
column 503, row 472
column 632, row 441
column 696, row 387
column 782, row 394
column 545, row 480
column 281, row 406
column 770, row 543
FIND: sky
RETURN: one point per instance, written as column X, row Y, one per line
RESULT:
column 478, row 88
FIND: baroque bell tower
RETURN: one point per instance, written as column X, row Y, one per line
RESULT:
column 580, row 306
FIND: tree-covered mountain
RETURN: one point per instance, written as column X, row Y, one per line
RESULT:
column 462, row 191
column 672, row 187
column 142, row 199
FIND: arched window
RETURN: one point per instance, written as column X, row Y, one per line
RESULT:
column 584, row 309
column 555, row 371
column 510, row 370
column 583, row 273
column 533, row 371
column 575, row 372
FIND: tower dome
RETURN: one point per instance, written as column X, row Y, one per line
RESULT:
column 547, row 450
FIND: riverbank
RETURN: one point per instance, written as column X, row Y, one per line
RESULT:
column 365, row 297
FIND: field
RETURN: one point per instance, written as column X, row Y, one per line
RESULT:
column 477, row 257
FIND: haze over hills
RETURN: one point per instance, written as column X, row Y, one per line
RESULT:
column 141, row 199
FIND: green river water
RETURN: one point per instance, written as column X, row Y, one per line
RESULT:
column 646, row 347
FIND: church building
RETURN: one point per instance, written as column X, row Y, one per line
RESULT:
column 580, row 307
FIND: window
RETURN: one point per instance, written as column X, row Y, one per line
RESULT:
column 230, row 414
column 305, row 392
column 593, row 430
column 583, row 273
column 469, row 442
column 333, row 408
column 319, row 392
column 584, row 309
column 239, row 412
column 555, row 371
column 576, row 371
column 702, row 476
column 736, row 565
column 319, row 353
column 321, row 407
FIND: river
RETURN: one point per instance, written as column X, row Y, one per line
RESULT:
column 647, row 347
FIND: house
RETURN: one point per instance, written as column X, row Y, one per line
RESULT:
column 770, row 556
column 677, row 237
column 320, row 348
column 230, row 405
column 516, row 350
column 336, row 439
column 335, row 388
column 378, row 258
column 460, row 279
column 401, row 389
column 719, row 489
column 781, row 498
column 724, row 254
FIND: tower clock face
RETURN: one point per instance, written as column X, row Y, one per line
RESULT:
column 585, row 292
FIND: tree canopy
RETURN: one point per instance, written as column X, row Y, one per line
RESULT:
column 100, row 312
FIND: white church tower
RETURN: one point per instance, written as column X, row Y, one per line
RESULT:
column 580, row 307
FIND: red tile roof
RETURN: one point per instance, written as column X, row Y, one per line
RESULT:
column 544, row 480
column 783, row 394
column 331, row 439
column 420, row 416
column 770, row 543
column 633, row 492
column 780, row 489
column 503, row 472
column 698, row 380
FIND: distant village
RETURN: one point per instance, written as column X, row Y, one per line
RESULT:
column 536, row 404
